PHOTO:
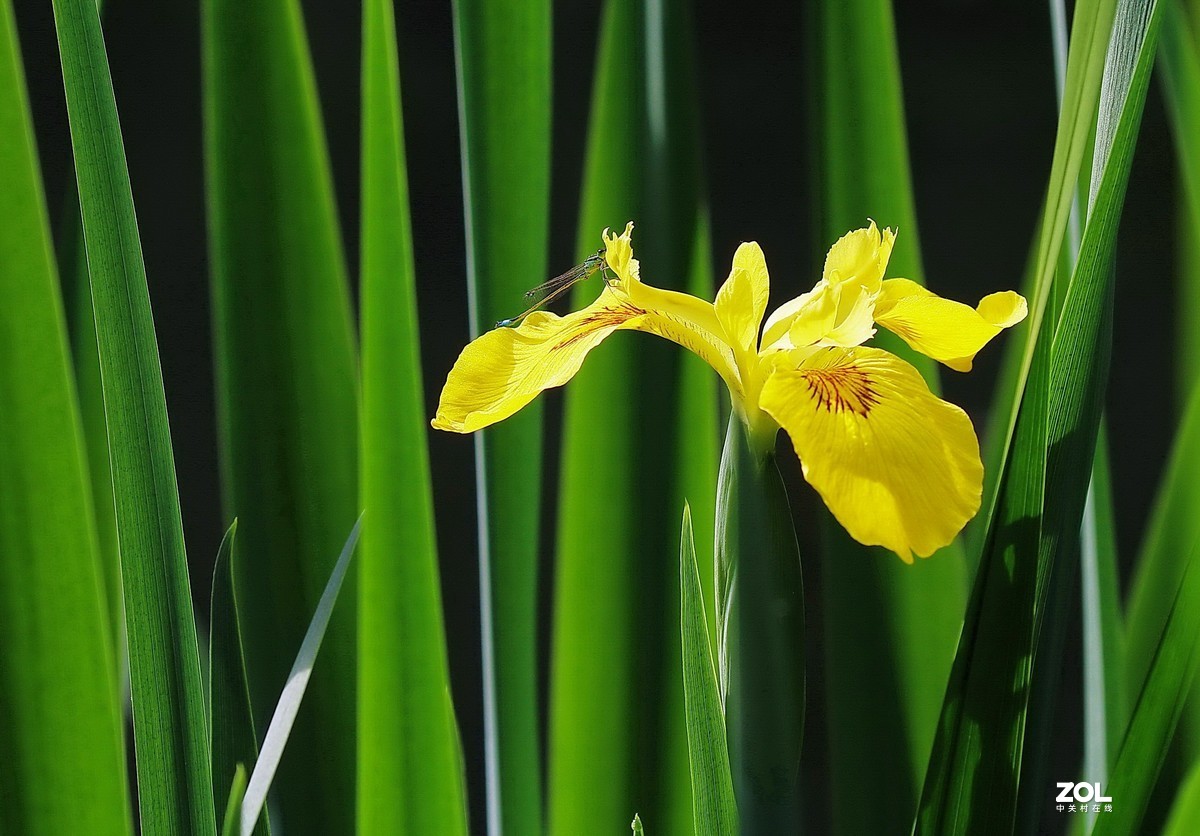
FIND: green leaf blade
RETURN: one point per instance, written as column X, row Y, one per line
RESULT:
column 63, row 768
column 234, row 742
column 171, row 733
column 409, row 763
column 504, row 79
column 286, row 379
column 714, row 807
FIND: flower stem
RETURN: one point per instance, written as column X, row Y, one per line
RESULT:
column 761, row 623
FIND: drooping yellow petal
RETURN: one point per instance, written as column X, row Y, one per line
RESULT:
column 896, row 465
column 742, row 299
column 506, row 368
column 860, row 258
column 949, row 332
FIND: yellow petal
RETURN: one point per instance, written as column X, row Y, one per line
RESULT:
column 949, row 332
column 896, row 465
column 860, row 258
column 693, row 313
column 855, row 317
column 742, row 299
column 503, row 370
column 812, row 317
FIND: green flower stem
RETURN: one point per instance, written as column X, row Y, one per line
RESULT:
column 761, row 625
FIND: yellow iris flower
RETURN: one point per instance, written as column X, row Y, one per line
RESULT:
column 897, row 466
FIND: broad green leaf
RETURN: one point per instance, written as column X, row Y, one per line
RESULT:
column 171, row 732
column 286, row 379
column 988, row 739
column 647, row 459
column 284, row 716
column 1184, row 819
column 595, row 692
column 234, row 742
column 63, row 764
column 410, row 777
column 1159, row 705
column 503, row 52
column 714, row 807
column 889, row 628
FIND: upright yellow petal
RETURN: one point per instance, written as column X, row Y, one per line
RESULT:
column 503, row 370
column 860, row 258
column 896, row 465
column 949, row 332
column 742, row 299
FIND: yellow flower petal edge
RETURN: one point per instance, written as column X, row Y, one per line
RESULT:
column 949, row 332
column 897, row 466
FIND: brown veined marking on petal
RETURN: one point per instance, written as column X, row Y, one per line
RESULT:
column 842, row 389
column 603, row 318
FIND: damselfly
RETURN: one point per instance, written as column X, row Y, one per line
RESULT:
column 547, row 292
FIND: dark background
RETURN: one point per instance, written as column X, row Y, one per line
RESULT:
column 979, row 95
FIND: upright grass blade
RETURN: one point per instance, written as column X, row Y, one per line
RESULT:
column 887, row 660
column 171, row 733
column 410, row 776
column 284, row 716
column 63, row 764
column 594, row 683
column 234, row 742
column 643, row 126
column 286, row 379
column 503, row 51
column 985, row 743
column 714, row 807
column 1159, row 705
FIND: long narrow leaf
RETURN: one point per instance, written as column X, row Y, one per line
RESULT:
column 888, row 661
column 171, row 733
column 286, row 378
column 284, row 716
column 649, row 460
column 63, row 765
column 409, row 761
column 234, row 743
column 503, row 51
column 1161, row 701
column 715, row 809
column 593, row 678
column 982, row 746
